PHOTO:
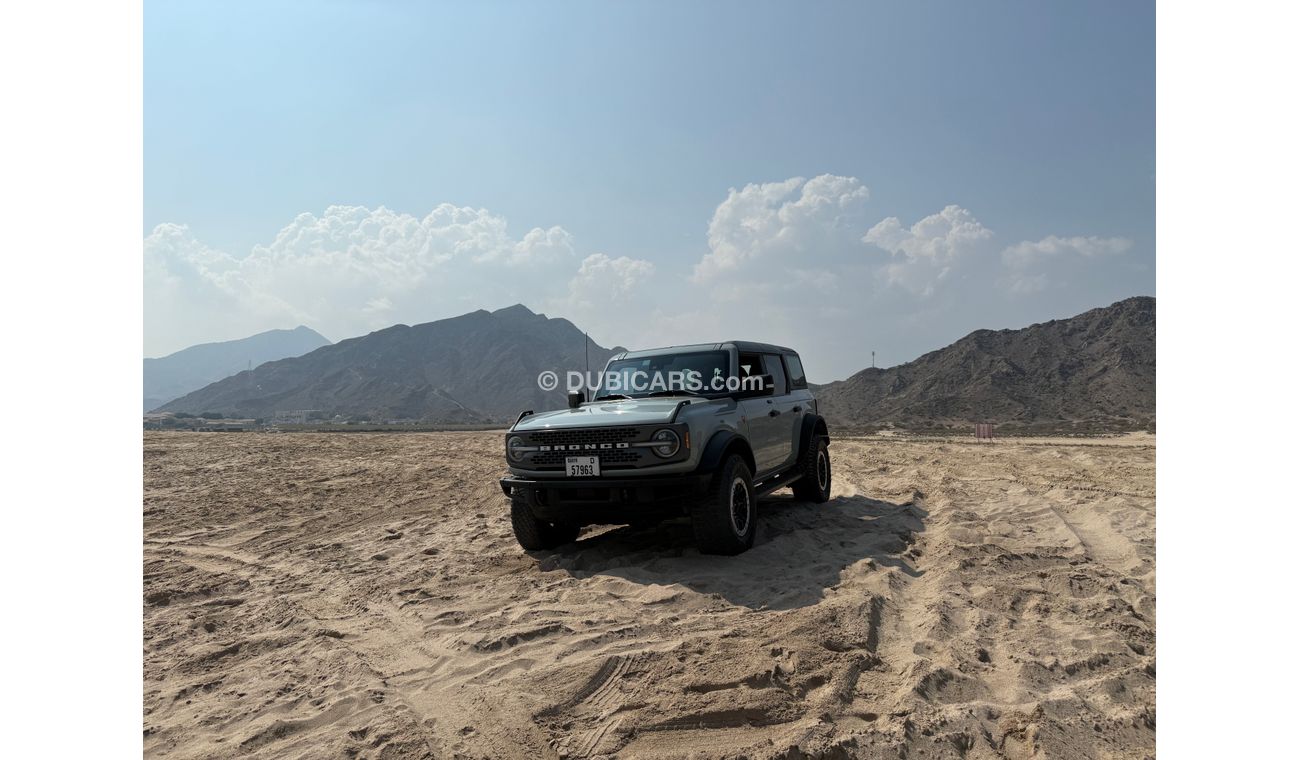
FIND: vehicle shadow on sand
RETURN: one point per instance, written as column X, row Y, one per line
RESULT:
column 800, row 551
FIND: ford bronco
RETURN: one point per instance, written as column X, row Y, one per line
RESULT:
column 701, row 431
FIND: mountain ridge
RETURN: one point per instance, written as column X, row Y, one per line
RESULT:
column 169, row 377
column 477, row 367
column 1093, row 371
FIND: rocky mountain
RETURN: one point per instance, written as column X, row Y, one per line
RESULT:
column 189, row 369
column 478, row 367
column 1095, row 371
column 1091, row 372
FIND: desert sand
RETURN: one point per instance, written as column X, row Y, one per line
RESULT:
column 361, row 595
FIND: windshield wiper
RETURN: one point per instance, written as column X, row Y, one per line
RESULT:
column 610, row 397
column 671, row 393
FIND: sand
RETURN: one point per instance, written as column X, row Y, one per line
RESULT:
column 326, row 595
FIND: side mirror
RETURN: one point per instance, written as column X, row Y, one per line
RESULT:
column 575, row 399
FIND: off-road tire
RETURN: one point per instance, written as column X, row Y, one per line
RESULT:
column 534, row 534
column 815, row 464
column 719, row 530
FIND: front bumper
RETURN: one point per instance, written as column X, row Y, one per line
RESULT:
column 607, row 500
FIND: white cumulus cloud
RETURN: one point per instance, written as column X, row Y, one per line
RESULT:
column 925, row 253
column 1028, row 252
column 782, row 223
column 611, row 296
column 601, row 279
column 345, row 272
column 1032, row 265
column 795, row 261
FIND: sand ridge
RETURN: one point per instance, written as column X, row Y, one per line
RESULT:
column 362, row 595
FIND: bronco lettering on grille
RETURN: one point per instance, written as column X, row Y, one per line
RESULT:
column 584, row 447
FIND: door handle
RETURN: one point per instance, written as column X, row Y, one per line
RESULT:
column 774, row 413
column 797, row 409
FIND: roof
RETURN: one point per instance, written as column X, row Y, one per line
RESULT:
column 741, row 345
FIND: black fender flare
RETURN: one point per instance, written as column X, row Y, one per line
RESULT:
column 814, row 427
column 718, row 445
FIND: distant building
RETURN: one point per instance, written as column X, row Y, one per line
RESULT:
column 169, row 421
column 295, row 416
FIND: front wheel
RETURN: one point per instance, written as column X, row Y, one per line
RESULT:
column 724, row 519
column 815, row 485
column 534, row 534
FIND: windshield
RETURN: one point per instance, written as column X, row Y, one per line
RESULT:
column 696, row 373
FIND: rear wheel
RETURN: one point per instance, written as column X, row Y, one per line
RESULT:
column 815, row 485
column 534, row 534
column 724, row 520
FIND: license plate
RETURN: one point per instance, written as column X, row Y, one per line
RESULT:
column 582, row 467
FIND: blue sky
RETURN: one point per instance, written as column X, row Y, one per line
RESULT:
column 624, row 126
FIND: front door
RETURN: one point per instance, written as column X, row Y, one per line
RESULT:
column 764, row 433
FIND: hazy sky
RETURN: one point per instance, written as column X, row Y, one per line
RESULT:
column 839, row 177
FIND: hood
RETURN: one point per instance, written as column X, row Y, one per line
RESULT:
column 636, row 411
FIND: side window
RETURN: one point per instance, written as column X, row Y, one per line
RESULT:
column 772, row 366
column 750, row 364
column 795, row 367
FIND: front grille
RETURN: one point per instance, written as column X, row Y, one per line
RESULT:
column 607, row 443
column 610, row 459
column 582, row 436
column 613, row 459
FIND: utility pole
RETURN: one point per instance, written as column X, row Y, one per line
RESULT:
column 586, row 353
column 873, row 359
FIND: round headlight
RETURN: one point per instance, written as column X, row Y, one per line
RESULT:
column 515, row 448
column 665, row 443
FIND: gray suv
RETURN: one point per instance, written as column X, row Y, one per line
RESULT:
column 700, row 430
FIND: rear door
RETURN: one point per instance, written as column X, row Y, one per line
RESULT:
column 784, row 411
